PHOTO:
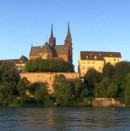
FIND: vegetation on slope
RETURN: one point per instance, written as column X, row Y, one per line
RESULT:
column 48, row 65
column 113, row 82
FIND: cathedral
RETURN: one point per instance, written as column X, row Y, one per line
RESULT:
column 50, row 50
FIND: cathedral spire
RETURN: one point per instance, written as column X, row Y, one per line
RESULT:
column 51, row 36
column 68, row 32
column 68, row 43
column 52, row 40
column 68, row 40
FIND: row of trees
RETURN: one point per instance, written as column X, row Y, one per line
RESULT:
column 114, row 81
column 49, row 65
column 20, row 92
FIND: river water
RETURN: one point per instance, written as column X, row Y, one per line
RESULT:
column 64, row 119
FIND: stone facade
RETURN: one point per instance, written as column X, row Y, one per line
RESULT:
column 47, row 77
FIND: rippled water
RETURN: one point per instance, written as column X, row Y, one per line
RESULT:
column 86, row 118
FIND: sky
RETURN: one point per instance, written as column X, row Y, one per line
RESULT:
column 95, row 25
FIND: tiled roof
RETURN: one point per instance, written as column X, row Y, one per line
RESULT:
column 93, row 55
column 22, row 59
column 55, row 50
column 61, row 49
column 35, row 50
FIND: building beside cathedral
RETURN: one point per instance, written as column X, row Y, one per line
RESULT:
column 51, row 50
column 96, row 60
column 19, row 63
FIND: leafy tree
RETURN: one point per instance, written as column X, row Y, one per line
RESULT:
column 127, row 90
column 80, row 89
column 6, row 93
column 108, row 70
column 121, row 71
column 106, row 88
column 63, row 90
column 23, row 86
column 92, row 77
column 112, row 90
column 41, row 94
column 101, row 88
column 8, row 72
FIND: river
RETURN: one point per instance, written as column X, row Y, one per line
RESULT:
column 64, row 119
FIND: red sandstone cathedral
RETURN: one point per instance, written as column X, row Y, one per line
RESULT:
column 50, row 50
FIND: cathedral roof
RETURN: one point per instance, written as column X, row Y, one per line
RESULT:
column 55, row 50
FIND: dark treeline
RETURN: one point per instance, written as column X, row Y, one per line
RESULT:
column 113, row 82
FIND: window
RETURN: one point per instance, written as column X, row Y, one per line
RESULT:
column 86, row 57
column 88, row 67
column 83, row 67
column 95, row 57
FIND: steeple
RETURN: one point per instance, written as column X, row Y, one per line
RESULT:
column 68, row 43
column 68, row 39
column 51, row 36
column 68, row 32
column 52, row 40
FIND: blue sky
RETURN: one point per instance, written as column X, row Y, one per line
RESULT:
column 96, row 25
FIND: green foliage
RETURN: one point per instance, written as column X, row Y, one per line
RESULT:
column 8, row 80
column 69, row 93
column 80, row 90
column 48, row 65
column 63, row 90
column 108, row 70
column 92, row 77
column 127, row 90
column 23, row 86
column 6, row 93
column 8, row 72
column 41, row 94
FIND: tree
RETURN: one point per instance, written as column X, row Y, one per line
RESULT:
column 92, row 77
column 6, row 93
column 23, row 86
column 127, row 90
column 121, row 71
column 106, row 88
column 80, row 89
column 41, row 94
column 108, row 70
column 8, row 72
column 63, row 90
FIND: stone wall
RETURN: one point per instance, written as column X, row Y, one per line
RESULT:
column 106, row 102
column 47, row 77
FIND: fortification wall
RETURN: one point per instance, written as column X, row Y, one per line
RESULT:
column 47, row 77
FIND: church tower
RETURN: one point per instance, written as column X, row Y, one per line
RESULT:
column 52, row 40
column 68, row 42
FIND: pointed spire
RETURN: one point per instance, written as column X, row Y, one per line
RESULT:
column 51, row 36
column 68, row 39
column 52, row 40
column 68, row 32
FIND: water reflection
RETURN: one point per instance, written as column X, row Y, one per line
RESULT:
column 64, row 119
